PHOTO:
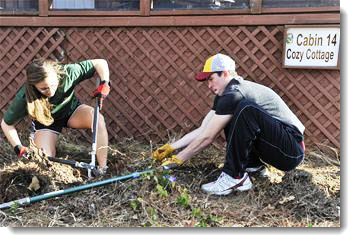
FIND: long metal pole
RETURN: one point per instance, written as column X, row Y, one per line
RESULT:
column 30, row 200
column 95, row 125
column 94, row 135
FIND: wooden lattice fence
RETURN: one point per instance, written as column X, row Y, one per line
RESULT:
column 154, row 93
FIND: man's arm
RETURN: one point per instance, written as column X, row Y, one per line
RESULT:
column 206, row 137
column 191, row 136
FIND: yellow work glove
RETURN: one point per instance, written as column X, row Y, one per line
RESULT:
column 172, row 161
column 162, row 152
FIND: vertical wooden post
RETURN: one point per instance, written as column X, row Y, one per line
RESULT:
column 145, row 7
column 43, row 8
column 255, row 6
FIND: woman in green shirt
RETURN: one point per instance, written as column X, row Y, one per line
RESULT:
column 48, row 98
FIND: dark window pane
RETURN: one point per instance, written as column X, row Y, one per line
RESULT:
column 198, row 4
column 129, row 5
column 19, row 5
column 299, row 3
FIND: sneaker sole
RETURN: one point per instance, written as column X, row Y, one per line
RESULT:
column 245, row 187
column 229, row 191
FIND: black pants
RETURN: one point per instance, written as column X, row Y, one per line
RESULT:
column 253, row 134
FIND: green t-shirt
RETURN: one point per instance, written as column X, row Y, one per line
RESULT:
column 64, row 100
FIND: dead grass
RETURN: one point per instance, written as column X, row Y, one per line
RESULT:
column 309, row 196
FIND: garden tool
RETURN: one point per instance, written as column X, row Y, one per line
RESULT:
column 38, row 198
column 30, row 200
column 98, row 106
column 73, row 163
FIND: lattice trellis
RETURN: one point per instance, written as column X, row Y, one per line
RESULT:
column 152, row 69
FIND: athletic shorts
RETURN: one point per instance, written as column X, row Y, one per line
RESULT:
column 56, row 127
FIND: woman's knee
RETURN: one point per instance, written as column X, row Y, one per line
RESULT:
column 48, row 146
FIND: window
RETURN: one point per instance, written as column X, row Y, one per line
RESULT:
column 102, row 5
column 198, row 4
column 117, row 5
column 19, row 5
column 73, row 4
column 299, row 3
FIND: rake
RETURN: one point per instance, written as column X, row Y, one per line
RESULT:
column 45, row 196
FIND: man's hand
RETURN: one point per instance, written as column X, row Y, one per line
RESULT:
column 172, row 161
column 102, row 90
column 21, row 151
column 162, row 152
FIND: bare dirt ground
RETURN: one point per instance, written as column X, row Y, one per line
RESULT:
column 309, row 196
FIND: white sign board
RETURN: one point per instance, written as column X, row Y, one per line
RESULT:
column 311, row 47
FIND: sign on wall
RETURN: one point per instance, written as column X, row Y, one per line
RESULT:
column 314, row 47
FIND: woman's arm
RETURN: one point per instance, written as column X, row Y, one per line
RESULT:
column 101, row 67
column 10, row 133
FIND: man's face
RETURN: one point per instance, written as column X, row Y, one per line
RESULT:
column 217, row 83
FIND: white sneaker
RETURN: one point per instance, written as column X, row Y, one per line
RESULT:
column 259, row 170
column 225, row 184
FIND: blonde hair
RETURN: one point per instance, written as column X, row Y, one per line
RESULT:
column 38, row 105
